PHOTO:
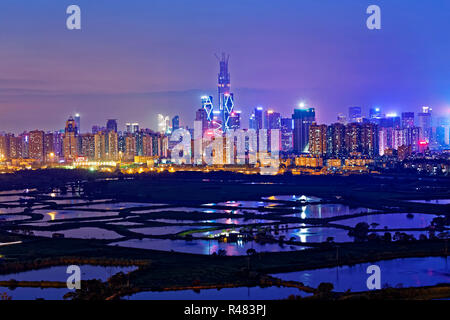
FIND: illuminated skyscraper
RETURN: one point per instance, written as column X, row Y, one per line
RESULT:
column 336, row 140
column 216, row 124
column 226, row 98
column 121, row 144
column 139, row 136
column 25, row 144
column 318, row 140
column 252, row 122
column 78, row 123
column 257, row 119
column 130, row 147
column 224, row 78
column 424, row 122
column 369, row 139
column 208, row 106
column 272, row 120
column 398, row 138
column 375, row 115
column 235, row 120
column 227, row 110
column 88, row 146
column 303, row 117
column 412, row 137
column 353, row 138
column 113, row 146
column 407, row 119
column 4, row 146
column 147, row 145
column 49, row 147
column 164, row 125
column 100, row 141
column 70, row 140
column 385, row 135
column 287, row 127
column 36, row 145
column 175, row 123
column 58, row 142
column 15, row 147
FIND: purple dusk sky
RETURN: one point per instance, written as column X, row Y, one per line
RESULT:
column 134, row 59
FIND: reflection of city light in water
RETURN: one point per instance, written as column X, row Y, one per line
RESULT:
column 302, row 234
column 52, row 215
column 303, row 214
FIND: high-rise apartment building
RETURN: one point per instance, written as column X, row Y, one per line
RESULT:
column 369, row 139
column 16, row 147
column 4, row 147
column 336, row 140
column 36, row 145
column 130, row 147
column 113, row 146
column 407, row 119
column 88, row 145
column 100, row 145
column 353, row 138
column 50, row 154
column 318, row 140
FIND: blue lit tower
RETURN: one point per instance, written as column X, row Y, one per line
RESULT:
column 226, row 99
column 78, row 122
column 227, row 110
column 207, row 105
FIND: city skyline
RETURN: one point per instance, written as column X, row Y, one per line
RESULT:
column 50, row 70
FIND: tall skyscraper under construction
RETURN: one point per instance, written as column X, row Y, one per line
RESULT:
column 224, row 82
column 226, row 98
